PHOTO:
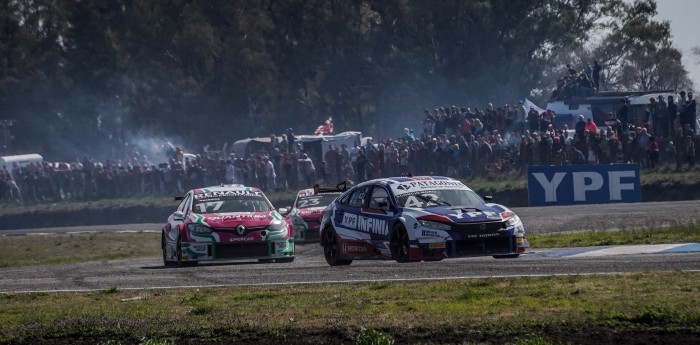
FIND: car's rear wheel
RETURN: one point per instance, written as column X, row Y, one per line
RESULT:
column 400, row 244
column 331, row 249
column 509, row 256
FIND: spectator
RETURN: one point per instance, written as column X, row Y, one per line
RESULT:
column 623, row 115
column 307, row 169
column 596, row 75
column 653, row 152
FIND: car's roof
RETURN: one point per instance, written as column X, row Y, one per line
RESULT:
column 396, row 180
column 225, row 188
column 310, row 192
column 403, row 185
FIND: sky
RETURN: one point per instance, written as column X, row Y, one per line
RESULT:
column 684, row 16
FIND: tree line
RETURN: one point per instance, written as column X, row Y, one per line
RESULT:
column 99, row 76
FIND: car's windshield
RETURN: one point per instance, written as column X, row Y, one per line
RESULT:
column 250, row 202
column 319, row 200
column 440, row 197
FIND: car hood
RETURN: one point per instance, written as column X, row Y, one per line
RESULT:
column 480, row 213
column 227, row 220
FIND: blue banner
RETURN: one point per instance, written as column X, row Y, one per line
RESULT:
column 583, row 184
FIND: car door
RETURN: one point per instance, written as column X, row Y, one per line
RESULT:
column 348, row 211
column 377, row 214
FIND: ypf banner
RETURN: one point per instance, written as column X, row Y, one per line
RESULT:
column 583, row 184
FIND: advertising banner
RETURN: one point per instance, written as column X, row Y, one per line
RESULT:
column 583, row 184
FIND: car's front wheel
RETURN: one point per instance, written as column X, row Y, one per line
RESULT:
column 166, row 262
column 400, row 244
column 331, row 250
column 180, row 262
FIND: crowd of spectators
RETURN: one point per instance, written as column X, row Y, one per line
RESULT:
column 459, row 142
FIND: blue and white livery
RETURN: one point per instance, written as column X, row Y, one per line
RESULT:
column 417, row 218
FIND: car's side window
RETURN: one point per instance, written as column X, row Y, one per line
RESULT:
column 187, row 204
column 357, row 198
column 379, row 194
column 181, row 207
column 344, row 199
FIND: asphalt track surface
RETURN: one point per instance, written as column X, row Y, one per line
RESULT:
column 311, row 268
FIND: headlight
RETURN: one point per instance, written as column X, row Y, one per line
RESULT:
column 277, row 225
column 513, row 221
column 435, row 225
column 199, row 229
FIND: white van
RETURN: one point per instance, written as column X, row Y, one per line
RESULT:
column 20, row 160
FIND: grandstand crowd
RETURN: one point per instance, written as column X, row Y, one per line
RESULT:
column 452, row 141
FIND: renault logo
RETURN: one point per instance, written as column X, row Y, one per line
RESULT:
column 240, row 229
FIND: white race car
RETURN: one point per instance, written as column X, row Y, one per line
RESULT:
column 417, row 218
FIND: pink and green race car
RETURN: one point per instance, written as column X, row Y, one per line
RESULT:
column 228, row 222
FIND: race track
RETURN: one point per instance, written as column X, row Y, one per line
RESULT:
column 310, row 267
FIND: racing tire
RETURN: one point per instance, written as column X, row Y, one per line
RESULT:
column 166, row 263
column 331, row 249
column 285, row 260
column 400, row 244
column 181, row 263
column 509, row 256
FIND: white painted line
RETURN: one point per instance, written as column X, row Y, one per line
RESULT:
column 335, row 282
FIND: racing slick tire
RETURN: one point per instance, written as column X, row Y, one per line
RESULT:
column 331, row 249
column 166, row 263
column 181, row 263
column 509, row 256
column 400, row 244
column 285, row 260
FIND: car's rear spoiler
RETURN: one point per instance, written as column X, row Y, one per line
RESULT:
column 179, row 197
column 340, row 187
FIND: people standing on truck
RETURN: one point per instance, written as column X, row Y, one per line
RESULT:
column 662, row 114
column 623, row 114
column 688, row 113
column 596, row 75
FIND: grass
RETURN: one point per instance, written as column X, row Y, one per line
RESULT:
column 76, row 248
column 474, row 308
column 685, row 233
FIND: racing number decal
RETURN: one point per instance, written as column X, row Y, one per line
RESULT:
column 309, row 202
column 212, row 206
column 413, row 201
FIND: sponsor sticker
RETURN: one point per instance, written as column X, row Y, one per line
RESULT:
column 495, row 234
column 227, row 193
column 428, row 184
column 440, row 245
column 354, row 249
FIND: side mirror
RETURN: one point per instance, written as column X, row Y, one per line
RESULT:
column 284, row 211
column 488, row 198
column 178, row 215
